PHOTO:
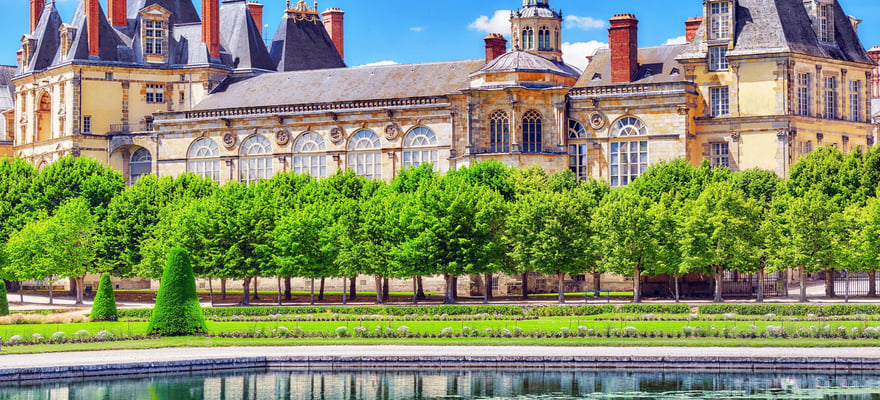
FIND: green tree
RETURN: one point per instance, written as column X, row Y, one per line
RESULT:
column 761, row 186
column 30, row 254
column 83, row 177
column 177, row 310
column 4, row 302
column 299, row 244
column 104, row 306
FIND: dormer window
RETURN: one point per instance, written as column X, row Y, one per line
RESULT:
column 719, row 20
column 597, row 77
column 154, row 32
column 826, row 23
column 67, row 34
column 718, row 58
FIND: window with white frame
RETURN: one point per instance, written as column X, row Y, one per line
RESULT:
column 803, row 93
column 628, row 161
column 826, row 23
column 577, row 160
column 533, row 132
column 719, row 20
column 855, row 101
column 719, row 155
column 805, row 147
column 364, row 154
column 718, row 58
column 499, row 132
column 155, row 93
column 309, row 155
column 203, row 159
column 420, row 147
column 576, row 130
column 629, row 126
column 719, row 101
column 140, row 164
column 255, row 163
column 830, row 97
column 154, row 35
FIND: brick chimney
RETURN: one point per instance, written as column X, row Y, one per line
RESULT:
column 496, row 46
column 256, row 10
column 93, row 14
column 690, row 28
column 334, row 19
column 211, row 26
column 623, row 38
column 18, row 56
column 36, row 12
column 118, row 12
column 874, row 53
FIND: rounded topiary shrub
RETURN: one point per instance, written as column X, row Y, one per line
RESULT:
column 177, row 310
column 104, row 307
column 4, row 303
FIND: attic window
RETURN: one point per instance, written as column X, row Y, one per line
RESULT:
column 154, row 34
column 597, row 77
column 719, row 20
column 648, row 73
column 826, row 23
column 674, row 72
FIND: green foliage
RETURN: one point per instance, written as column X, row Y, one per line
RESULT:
column 177, row 310
column 83, row 177
column 4, row 303
column 227, row 312
column 566, row 311
column 104, row 307
column 800, row 310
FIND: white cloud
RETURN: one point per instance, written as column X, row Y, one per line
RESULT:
column 585, row 23
column 576, row 53
column 499, row 23
column 417, row 29
column 379, row 63
column 676, row 40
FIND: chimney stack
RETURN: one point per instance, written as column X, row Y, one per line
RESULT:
column 256, row 10
column 334, row 24
column 496, row 46
column 211, row 26
column 36, row 12
column 691, row 26
column 874, row 53
column 93, row 14
column 118, row 12
column 623, row 38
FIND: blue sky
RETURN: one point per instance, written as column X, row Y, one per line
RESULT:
column 408, row 31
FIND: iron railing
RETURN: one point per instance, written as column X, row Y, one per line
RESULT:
column 131, row 128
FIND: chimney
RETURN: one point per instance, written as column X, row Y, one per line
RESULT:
column 256, row 10
column 211, row 26
column 118, row 12
column 690, row 28
column 496, row 46
column 18, row 57
column 874, row 53
column 334, row 24
column 36, row 12
column 623, row 38
column 93, row 13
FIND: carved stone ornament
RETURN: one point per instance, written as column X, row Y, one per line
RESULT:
column 391, row 132
column 229, row 140
column 337, row 135
column 282, row 137
column 735, row 136
column 597, row 121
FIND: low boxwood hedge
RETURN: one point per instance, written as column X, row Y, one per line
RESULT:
column 791, row 309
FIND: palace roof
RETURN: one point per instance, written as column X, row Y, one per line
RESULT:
column 656, row 65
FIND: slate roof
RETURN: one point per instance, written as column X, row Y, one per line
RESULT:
column 182, row 11
column 782, row 26
column 109, row 42
column 522, row 61
column 343, row 84
column 47, row 39
column 537, row 10
column 656, row 65
column 240, row 36
column 7, row 88
column 303, row 45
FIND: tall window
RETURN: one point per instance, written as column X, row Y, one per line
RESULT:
column 544, row 39
column 533, row 132
column 719, row 155
column 628, row 161
column 364, row 154
column 577, row 160
column 830, row 97
column 719, row 99
column 203, row 159
column 417, row 148
column 309, row 155
column 629, row 126
column 155, row 93
column 576, row 130
column 719, row 20
column 805, row 147
column 140, row 164
column 499, row 132
column 154, row 32
column 87, row 124
column 718, row 58
column 826, row 23
column 255, row 163
column 803, row 94
column 528, row 37
column 855, row 101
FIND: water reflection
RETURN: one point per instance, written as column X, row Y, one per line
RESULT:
column 477, row 384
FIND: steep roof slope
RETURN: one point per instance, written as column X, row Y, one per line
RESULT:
column 240, row 36
column 303, row 45
column 656, row 65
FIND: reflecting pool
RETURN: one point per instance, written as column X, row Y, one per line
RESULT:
column 458, row 384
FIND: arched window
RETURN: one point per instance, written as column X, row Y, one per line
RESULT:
column 533, row 132
column 628, row 159
column 499, row 132
column 140, row 164
column 364, row 154
column 544, row 38
column 528, row 37
column 629, row 126
column 417, row 148
column 203, row 159
column 309, row 155
column 44, row 118
column 256, row 160
column 576, row 130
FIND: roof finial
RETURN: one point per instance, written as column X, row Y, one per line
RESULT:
column 316, row 5
column 288, row 4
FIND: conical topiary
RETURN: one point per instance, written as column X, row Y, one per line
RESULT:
column 177, row 310
column 104, row 307
column 4, row 303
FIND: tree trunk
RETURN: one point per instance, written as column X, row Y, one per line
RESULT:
column 760, row 284
column 211, row 290
column 312, row 293
column 449, row 298
column 72, row 286
column 51, row 297
column 421, row 290
column 525, row 285
column 719, row 283
column 415, row 290
column 455, row 287
column 872, row 283
column 802, row 271
column 378, row 280
column 287, row 293
column 352, row 289
column 637, row 285
column 597, row 281
column 246, row 292
column 829, row 283
column 677, row 288
column 279, row 291
column 344, row 291
column 487, row 288
column 21, row 292
column 256, row 289
column 223, row 289
column 560, row 276
column 321, row 292
column 386, row 290
column 80, row 286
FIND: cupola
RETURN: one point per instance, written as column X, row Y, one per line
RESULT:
column 536, row 28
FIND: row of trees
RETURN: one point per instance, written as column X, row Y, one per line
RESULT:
column 75, row 217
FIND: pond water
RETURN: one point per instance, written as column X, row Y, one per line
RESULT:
column 459, row 384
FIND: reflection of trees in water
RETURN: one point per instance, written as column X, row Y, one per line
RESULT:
column 457, row 384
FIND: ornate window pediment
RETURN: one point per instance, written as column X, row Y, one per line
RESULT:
column 155, row 33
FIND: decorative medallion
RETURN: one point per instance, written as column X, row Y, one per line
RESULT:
column 597, row 120
column 229, row 140
column 282, row 137
column 337, row 135
column 391, row 132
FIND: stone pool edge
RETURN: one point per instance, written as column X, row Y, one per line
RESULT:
column 329, row 363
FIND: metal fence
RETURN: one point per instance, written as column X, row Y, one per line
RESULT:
column 857, row 286
column 736, row 284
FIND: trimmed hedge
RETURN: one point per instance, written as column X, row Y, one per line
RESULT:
column 4, row 303
column 571, row 311
column 791, row 309
column 104, row 307
column 177, row 310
